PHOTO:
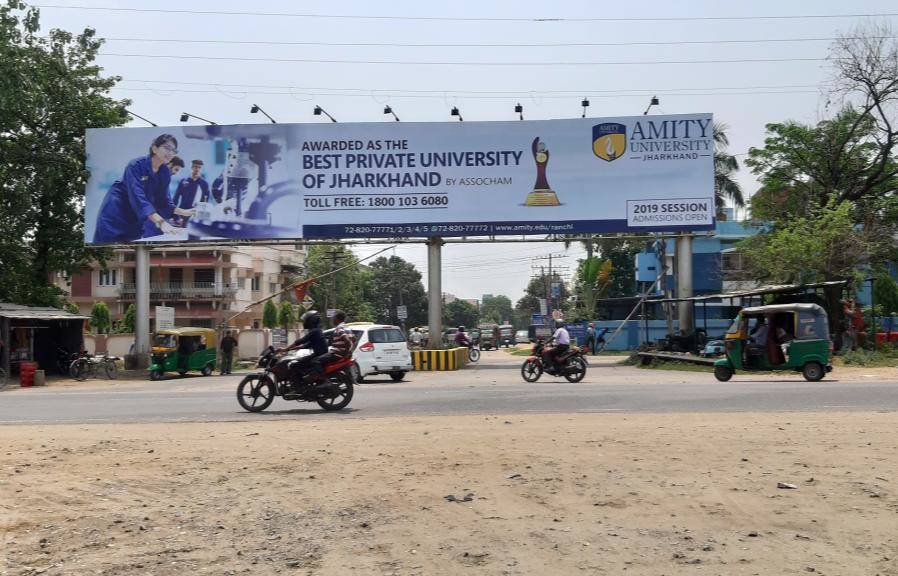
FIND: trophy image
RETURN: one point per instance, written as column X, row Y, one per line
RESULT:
column 542, row 194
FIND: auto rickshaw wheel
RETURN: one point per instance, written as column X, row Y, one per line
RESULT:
column 156, row 375
column 207, row 370
column 723, row 373
column 812, row 372
column 182, row 372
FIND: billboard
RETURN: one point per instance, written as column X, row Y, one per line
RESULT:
column 285, row 181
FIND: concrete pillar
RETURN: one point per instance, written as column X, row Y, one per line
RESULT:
column 684, row 283
column 142, row 304
column 4, row 338
column 434, row 291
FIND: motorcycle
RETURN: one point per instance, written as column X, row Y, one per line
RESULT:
column 474, row 351
column 257, row 391
column 85, row 365
column 571, row 365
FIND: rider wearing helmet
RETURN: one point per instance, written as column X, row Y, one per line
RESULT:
column 461, row 337
column 313, row 340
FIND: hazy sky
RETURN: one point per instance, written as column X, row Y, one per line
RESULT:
column 196, row 77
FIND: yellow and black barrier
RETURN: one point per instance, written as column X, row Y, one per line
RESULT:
column 451, row 359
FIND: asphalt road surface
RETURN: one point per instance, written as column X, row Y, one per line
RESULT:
column 494, row 386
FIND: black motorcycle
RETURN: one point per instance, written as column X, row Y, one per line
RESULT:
column 571, row 365
column 256, row 391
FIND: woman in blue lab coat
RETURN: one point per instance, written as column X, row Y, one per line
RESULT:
column 138, row 205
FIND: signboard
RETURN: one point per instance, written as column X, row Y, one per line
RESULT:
column 556, row 289
column 634, row 173
column 543, row 307
column 402, row 312
column 278, row 338
column 165, row 317
column 331, row 312
column 307, row 303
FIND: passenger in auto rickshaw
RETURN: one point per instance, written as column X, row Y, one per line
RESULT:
column 770, row 343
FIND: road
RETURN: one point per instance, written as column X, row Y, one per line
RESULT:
column 491, row 387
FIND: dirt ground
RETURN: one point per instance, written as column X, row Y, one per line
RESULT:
column 546, row 494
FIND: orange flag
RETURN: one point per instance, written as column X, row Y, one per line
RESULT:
column 301, row 289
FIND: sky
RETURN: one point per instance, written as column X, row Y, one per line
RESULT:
column 425, row 58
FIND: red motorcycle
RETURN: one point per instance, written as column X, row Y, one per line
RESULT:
column 257, row 391
column 571, row 365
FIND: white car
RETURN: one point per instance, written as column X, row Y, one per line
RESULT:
column 379, row 349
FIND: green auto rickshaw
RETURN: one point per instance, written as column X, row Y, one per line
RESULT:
column 183, row 349
column 488, row 334
column 777, row 337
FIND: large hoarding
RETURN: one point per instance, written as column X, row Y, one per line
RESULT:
column 274, row 181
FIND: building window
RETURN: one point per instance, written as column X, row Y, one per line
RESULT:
column 272, row 287
column 241, row 283
column 731, row 261
column 108, row 278
column 206, row 275
column 257, row 280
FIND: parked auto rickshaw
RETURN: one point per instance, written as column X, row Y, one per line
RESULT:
column 183, row 349
column 506, row 335
column 777, row 337
column 488, row 336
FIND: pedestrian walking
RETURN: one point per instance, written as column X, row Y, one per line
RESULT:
column 228, row 343
column 591, row 338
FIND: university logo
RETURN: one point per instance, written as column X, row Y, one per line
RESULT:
column 609, row 141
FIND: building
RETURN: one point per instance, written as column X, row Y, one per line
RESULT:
column 205, row 285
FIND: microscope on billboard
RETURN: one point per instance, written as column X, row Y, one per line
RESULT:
column 239, row 205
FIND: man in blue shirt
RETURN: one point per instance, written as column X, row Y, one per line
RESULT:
column 185, row 195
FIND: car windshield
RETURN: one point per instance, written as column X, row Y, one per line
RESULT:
column 385, row 335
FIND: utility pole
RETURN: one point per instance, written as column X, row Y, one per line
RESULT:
column 547, row 280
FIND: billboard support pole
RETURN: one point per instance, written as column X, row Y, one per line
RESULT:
column 685, row 311
column 142, row 327
column 434, row 290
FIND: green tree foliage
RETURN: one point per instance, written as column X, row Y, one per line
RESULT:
column 395, row 281
column 72, row 308
column 885, row 293
column 497, row 309
column 128, row 325
column 593, row 281
column 349, row 289
column 99, row 318
column 286, row 315
column 460, row 313
column 270, row 314
column 50, row 92
column 725, row 165
column 540, row 287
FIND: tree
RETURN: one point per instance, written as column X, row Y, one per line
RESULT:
column 51, row 91
column 497, row 309
column 593, row 282
column 286, row 315
column 540, row 287
column 129, row 320
column 395, row 281
column 99, row 317
column 460, row 313
column 71, row 308
column 885, row 293
column 725, row 187
column 270, row 314
column 349, row 289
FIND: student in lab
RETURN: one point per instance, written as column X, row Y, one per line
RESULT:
column 185, row 195
column 132, row 205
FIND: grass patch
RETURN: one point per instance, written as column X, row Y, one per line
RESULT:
column 883, row 357
column 526, row 352
column 656, row 364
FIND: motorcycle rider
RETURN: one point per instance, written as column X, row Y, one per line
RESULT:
column 313, row 340
column 461, row 338
column 562, row 340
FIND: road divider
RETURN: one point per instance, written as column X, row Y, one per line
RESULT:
column 440, row 360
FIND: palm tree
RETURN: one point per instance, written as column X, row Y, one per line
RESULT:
column 725, row 165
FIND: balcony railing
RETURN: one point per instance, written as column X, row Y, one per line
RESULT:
column 181, row 290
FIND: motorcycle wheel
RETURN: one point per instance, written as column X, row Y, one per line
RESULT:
column 575, row 370
column 342, row 396
column 474, row 354
column 78, row 369
column 531, row 371
column 255, row 393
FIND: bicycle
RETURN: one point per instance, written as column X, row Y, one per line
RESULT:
column 86, row 366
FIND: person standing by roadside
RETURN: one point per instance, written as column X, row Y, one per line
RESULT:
column 591, row 338
column 228, row 343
